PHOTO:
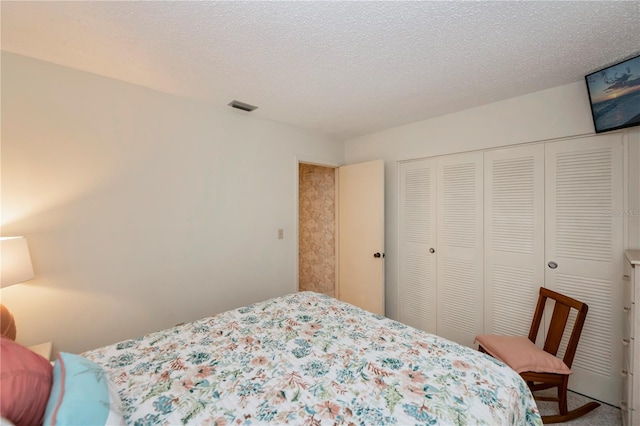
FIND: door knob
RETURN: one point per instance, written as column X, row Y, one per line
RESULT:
column 378, row 255
column 432, row 250
column 552, row 265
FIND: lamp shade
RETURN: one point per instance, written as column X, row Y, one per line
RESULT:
column 15, row 262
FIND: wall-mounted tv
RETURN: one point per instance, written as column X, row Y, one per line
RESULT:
column 614, row 93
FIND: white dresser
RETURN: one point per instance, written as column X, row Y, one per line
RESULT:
column 630, row 403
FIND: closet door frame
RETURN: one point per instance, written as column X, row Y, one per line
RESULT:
column 513, row 238
column 460, row 263
column 417, row 244
column 584, row 239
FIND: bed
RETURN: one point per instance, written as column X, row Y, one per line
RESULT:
column 306, row 358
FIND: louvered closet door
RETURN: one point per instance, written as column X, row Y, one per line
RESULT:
column 584, row 237
column 459, row 251
column 417, row 218
column 513, row 237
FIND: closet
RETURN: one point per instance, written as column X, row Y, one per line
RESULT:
column 480, row 232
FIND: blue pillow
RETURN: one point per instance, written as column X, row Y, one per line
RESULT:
column 81, row 394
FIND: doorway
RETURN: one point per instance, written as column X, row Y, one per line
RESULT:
column 317, row 229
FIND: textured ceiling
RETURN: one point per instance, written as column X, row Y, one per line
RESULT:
column 342, row 68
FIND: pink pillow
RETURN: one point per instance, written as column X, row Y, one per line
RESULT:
column 26, row 379
column 521, row 354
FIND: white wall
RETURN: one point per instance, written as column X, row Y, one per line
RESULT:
column 144, row 209
column 549, row 114
column 141, row 209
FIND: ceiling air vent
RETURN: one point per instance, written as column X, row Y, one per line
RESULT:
column 242, row 105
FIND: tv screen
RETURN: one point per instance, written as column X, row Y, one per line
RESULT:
column 614, row 93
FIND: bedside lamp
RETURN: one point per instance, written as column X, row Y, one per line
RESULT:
column 15, row 268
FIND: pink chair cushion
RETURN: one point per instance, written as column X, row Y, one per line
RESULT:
column 521, row 354
column 26, row 380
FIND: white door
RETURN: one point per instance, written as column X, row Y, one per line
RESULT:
column 459, row 251
column 513, row 238
column 361, row 235
column 584, row 252
column 417, row 244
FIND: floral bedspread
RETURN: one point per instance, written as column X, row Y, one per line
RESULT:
column 306, row 358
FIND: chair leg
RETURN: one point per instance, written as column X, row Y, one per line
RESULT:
column 562, row 396
column 573, row 414
column 566, row 415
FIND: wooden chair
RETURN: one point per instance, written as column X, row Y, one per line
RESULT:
column 541, row 368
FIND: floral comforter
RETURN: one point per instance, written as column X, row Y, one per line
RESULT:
column 306, row 358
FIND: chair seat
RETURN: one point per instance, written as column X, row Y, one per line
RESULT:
column 522, row 355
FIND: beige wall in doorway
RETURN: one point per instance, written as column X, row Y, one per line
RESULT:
column 317, row 245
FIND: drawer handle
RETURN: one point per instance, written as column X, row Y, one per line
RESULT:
column 626, row 309
column 625, row 342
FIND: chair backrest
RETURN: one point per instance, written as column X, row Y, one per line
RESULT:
column 561, row 311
